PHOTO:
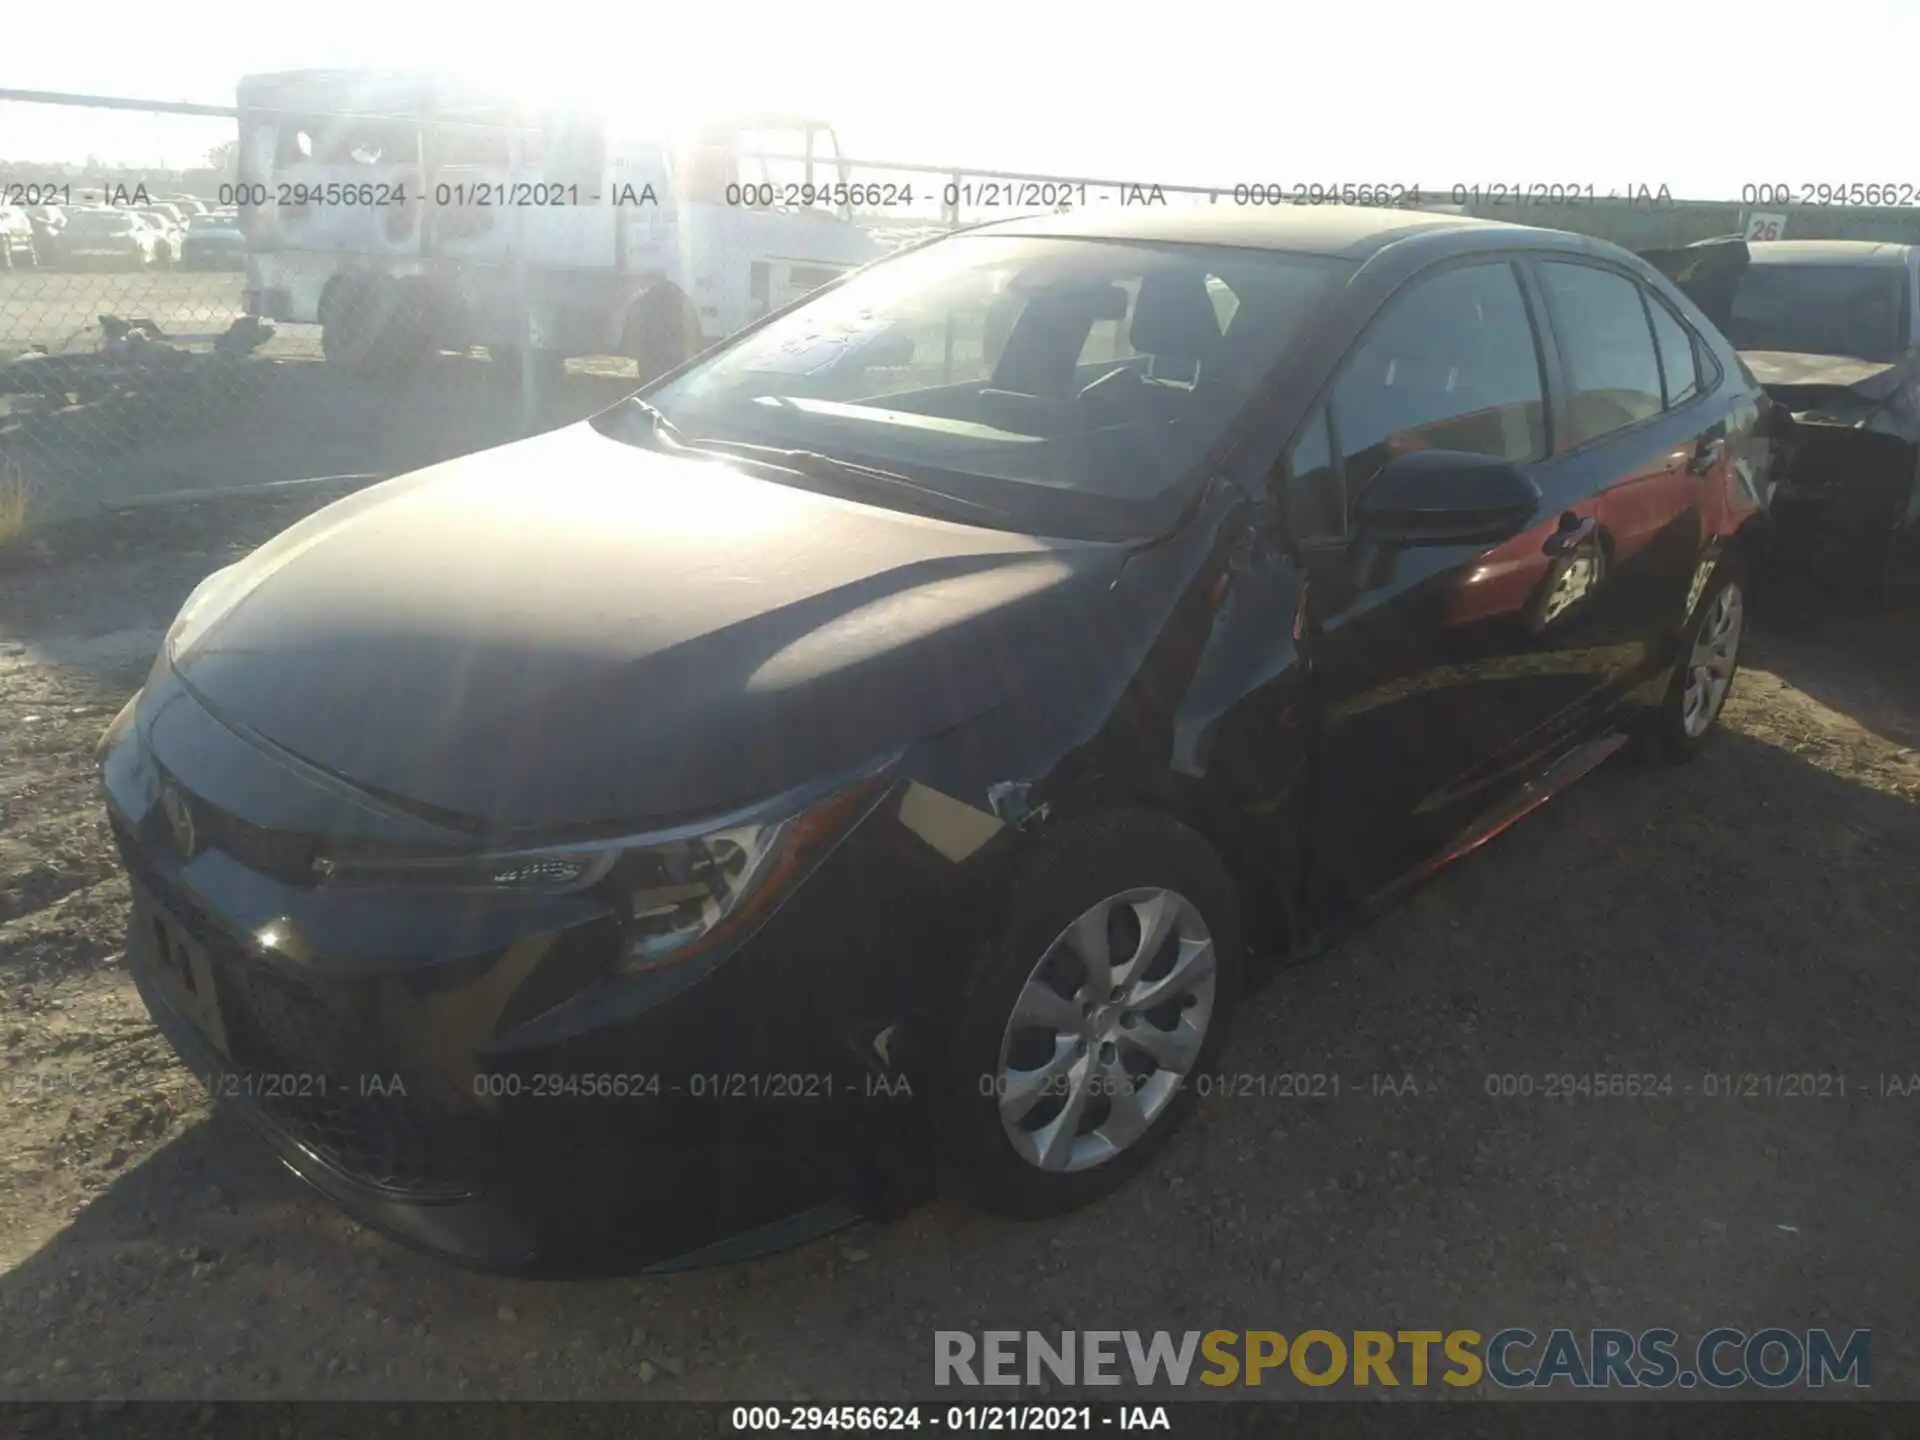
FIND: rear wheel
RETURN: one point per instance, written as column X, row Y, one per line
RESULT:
column 1079, row 1031
column 1709, row 660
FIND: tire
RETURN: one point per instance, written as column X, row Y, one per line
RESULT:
column 1129, row 866
column 376, row 329
column 1678, row 731
column 661, row 331
column 343, row 326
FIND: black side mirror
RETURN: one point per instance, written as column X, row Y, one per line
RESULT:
column 1441, row 497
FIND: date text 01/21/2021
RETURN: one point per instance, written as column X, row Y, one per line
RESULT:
column 477, row 194
column 957, row 1419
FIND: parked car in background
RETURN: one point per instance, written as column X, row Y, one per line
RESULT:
column 1831, row 329
column 47, row 222
column 214, row 242
column 109, row 238
column 879, row 746
column 17, row 246
column 168, row 229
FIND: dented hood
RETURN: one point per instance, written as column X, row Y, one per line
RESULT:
column 1802, row 381
column 570, row 630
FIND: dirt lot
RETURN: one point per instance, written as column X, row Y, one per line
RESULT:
column 1752, row 913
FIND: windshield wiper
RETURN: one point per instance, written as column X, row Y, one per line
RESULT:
column 817, row 466
column 657, row 420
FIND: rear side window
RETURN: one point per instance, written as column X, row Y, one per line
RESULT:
column 1451, row 364
column 1613, row 375
column 1679, row 367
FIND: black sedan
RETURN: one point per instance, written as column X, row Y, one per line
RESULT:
column 1831, row 330
column 878, row 749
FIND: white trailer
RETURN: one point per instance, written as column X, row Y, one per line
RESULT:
column 405, row 213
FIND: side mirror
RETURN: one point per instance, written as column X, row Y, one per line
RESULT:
column 1441, row 497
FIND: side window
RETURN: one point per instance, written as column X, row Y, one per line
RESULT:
column 1678, row 367
column 1315, row 502
column 1612, row 374
column 1451, row 365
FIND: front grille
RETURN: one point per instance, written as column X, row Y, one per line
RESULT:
column 301, row 1061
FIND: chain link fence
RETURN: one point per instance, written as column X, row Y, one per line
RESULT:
column 130, row 368
column 200, row 298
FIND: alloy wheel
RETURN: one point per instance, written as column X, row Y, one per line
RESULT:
column 1716, row 650
column 1106, row 1027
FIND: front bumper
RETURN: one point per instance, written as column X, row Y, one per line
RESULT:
column 452, row 1070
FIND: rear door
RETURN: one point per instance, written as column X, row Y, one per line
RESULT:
column 1649, row 437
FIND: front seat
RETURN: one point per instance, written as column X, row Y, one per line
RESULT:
column 1175, row 326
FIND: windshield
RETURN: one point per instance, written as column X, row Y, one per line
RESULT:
column 1071, row 385
column 1852, row 310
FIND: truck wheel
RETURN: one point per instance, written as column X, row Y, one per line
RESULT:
column 375, row 327
column 409, row 329
column 661, row 331
column 345, row 325
column 1082, row 1029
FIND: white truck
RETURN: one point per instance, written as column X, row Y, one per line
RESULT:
column 406, row 213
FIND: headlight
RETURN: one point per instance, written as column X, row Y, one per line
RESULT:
column 676, row 894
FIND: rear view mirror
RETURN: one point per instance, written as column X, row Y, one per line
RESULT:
column 1438, row 497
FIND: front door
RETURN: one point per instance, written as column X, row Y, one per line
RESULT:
column 1444, row 668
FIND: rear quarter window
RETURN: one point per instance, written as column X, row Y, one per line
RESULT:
column 1679, row 365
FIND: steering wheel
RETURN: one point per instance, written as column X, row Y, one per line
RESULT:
column 1116, row 387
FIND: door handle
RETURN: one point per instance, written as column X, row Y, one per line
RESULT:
column 1706, row 455
column 1574, row 531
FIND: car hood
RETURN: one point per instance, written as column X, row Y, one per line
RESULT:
column 1791, row 377
column 572, row 631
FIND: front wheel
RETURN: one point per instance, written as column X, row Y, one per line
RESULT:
column 1709, row 659
column 1081, row 1030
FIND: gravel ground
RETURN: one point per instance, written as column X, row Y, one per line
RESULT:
column 1752, row 913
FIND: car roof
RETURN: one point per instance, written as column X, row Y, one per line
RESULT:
column 1353, row 232
column 1828, row 252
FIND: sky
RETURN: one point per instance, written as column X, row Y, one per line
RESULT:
column 1207, row 92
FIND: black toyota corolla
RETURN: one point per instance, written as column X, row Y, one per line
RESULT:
column 874, row 751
